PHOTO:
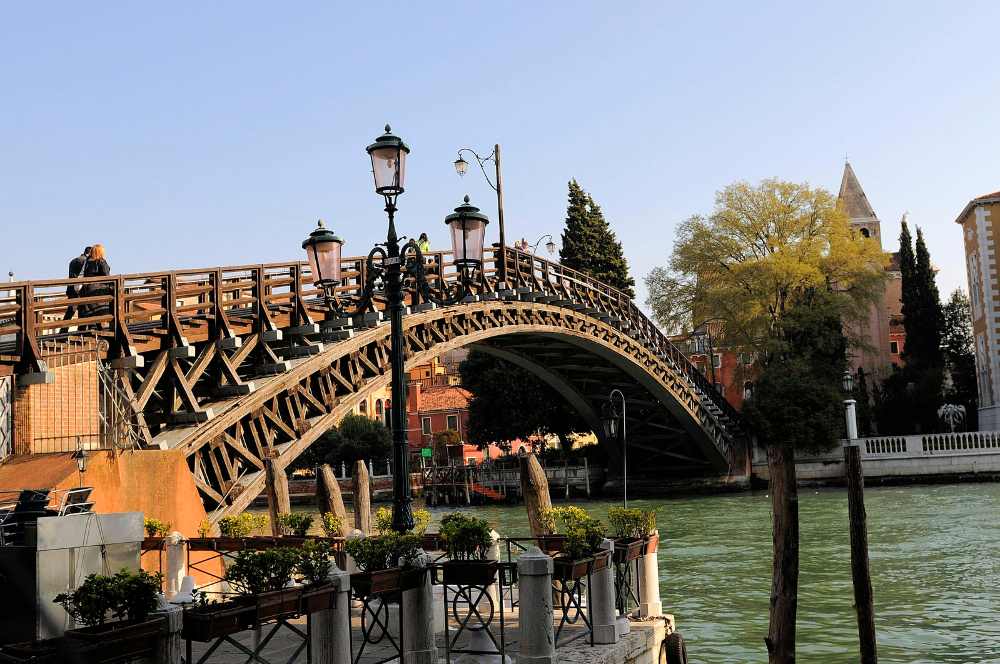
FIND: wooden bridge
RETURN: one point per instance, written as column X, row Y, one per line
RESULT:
column 237, row 365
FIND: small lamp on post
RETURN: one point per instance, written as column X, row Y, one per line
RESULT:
column 614, row 426
column 323, row 249
column 468, row 233
column 850, row 413
column 388, row 155
column 80, row 456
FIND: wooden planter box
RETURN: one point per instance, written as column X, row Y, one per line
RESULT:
column 286, row 601
column 469, row 572
column 152, row 543
column 113, row 641
column 48, row 651
column 392, row 580
column 551, row 543
column 431, row 542
column 628, row 549
column 318, row 598
column 210, row 622
column 570, row 570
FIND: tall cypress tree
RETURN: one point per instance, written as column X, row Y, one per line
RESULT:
column 908, row 269
column 930, row 317
column 589, row 245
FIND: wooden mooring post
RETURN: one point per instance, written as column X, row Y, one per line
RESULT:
column 535, row 489
column 329, row 497
column 864, row 601
column 278, row 501
column 362, row 498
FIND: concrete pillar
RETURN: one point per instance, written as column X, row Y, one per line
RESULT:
column 538, row 643
column 649, row 586
column 418, row 621
column 494, row 589
column 602, row 602
column 176, row 553
column 169, row 647
column 330, row 630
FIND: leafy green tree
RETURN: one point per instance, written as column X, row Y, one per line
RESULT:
column 509, row 402
column 959, row 352
column 442, row 439
column 864, row 408
column 356, row 437
column 590, row 246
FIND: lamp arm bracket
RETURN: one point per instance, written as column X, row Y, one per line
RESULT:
column 482, row 163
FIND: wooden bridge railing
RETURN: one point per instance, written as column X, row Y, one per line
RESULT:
column 156, row 310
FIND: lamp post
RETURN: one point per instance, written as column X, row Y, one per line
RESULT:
column 80, row 456
column 850, row 413
column 550, row 246
column 387, row 265
column 614, row 423
column 461, row 167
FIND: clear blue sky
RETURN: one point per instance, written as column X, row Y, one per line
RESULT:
column 199, row 134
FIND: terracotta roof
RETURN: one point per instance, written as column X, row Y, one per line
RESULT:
column 445, row 397
column 985, row 198
column 852, row 196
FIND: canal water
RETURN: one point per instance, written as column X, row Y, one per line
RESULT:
column 935, row 556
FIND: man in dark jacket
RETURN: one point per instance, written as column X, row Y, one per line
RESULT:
column 76, row 267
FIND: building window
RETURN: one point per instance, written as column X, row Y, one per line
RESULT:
column 717, row 360
column 865, row 232
column 378, row 407
column 363, row 407
column 894, row 347
column 453, row 422
column 425, row 425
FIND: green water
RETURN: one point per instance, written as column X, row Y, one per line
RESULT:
column 935, row 557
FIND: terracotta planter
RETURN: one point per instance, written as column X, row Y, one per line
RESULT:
column 392, row 580
column 210, row 622
column 277, row 603
column 32, row 652
column 469, row 572
column 113, row 641
column 652, row 544
column 551, row 543
column 628, row 549
column 318, row 598
column 152, row 543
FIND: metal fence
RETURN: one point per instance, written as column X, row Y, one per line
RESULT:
column 6, row 417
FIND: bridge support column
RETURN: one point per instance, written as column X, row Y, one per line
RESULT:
column 277, row 493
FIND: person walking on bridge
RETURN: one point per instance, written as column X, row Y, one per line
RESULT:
column 76, row 267
column 423, row 244
column 96, row 266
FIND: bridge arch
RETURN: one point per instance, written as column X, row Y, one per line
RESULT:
column 238, row 365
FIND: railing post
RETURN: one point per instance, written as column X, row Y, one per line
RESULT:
column 175, row 546
column 602, row 602
column 169, row 649
column 538, row 643
column 330, row 629
column 649, row 586
column 418, row 620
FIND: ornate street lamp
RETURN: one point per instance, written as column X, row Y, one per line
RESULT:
column 462, row 167
column 614, row 424
column 388, row 267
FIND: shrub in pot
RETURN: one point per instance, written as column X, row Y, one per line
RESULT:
column 156, row 528
column 467, row 541
column 242, row 525
column 382, row 521
column 386, row 563
column 332, row 524
column 313, row 570
column 581, row 550
column 129, row 597
column 295, row 524
column 633, row 531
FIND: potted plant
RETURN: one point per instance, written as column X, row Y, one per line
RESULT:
column 386, row 563
column 314, row 572
column 294, row 524
column 262, row 578
column 581, row 553
column 467, row 541
column 156, row 530
column 129, row 597
column 46, row 651
column 633, row 530
column 233, row 533
column 331, row 524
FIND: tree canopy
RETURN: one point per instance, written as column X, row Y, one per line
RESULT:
column 762, row 248
column 960, row 357
column 356, row 437
column 589, row 245
column 509, row 402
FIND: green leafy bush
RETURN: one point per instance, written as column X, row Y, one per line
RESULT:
column 466, row 537
column 242, row 525
column 255, row 572
column 155, row 527
column 584, row 534
column 294, row 523
column 631, row 523
column 314, row 562
column 382, row 521
column 126, row 595
column 380, row 552
column 332, row 524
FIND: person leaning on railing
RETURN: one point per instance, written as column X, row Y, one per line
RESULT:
column 97, row 266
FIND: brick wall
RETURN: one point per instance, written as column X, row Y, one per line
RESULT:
column 50, row 417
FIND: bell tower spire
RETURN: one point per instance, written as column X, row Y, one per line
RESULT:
column 854, row 202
